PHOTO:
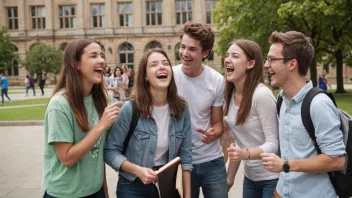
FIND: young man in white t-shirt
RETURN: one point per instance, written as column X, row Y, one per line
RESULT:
column 203, row 89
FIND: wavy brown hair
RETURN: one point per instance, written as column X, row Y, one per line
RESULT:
column 141, row 90
column 70, row 80
column 254, row 76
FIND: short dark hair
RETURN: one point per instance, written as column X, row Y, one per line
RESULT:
column 296, row 46
column 200, row 32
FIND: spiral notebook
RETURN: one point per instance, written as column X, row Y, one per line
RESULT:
column 169, row 181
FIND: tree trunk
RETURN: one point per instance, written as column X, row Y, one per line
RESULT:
column 313, row 72
column 339, row 71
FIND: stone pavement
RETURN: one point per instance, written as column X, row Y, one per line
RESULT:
column 21, row 164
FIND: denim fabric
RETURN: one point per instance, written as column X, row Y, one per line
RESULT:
column 258, row 189
column 99, row 194
column 135, row 189
column 295, row 143
column 211, row 176
column 142, row 145
column 4, row 92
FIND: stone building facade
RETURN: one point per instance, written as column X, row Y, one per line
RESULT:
column 126, row 28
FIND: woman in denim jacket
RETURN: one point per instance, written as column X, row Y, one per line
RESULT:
column 163, row 131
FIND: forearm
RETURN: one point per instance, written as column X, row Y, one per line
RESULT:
column 232, row 170
column 252, row 153
column 130, row 167
column 218, row 128
column 77, row 151
column 186, row 178
column 317, row 164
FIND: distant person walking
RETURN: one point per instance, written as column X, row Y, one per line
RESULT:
column 42, row 79
column 32, row 84
column 26, row 82
column 4, row 88
column 323, row 82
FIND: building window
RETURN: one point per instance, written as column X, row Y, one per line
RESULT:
column 68, row 16
column 12, row 16
column 153, row 44
column 98, row 13
column 125, row 14
column 153, row 11
column 13, row 69
column 38, row 17
column 177, row 52
column 210, row 6
column 183, row 11
column 126, row 54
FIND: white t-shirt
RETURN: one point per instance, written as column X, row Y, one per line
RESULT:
column 201, row 93
column 161, row 116
column 259, row 130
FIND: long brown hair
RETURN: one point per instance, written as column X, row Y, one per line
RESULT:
column 254, row 76
column 70, row 81
column 141, row 89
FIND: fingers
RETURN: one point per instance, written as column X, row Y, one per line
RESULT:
column 200, row 130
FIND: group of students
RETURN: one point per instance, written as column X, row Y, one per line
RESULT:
column 183, row 111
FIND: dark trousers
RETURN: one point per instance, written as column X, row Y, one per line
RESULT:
column 41, row 85
column 135, row 189
column 4, row 92
column 99, row 194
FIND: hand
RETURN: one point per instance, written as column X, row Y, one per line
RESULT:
column 235, row 152
column 208, row 136
column 110, row 114
column 147, row 175
column 272, row 162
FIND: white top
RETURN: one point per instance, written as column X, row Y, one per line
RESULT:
column 201, row 93
column 259, row 130
column 161, row 116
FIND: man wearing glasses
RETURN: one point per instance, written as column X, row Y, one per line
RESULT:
column 302, row 170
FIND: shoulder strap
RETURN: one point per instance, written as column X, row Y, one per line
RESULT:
column 305, row 115
column 134, row 121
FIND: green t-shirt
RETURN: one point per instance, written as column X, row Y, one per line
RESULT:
column 85, row 177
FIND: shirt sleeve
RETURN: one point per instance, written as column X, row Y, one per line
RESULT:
column 326, row 121
column 264, row 104
column 59, row 127
column 219, row 97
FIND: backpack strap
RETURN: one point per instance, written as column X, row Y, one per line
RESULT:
column 278, row 104
column 133, row 124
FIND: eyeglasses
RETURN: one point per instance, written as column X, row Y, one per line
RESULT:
column 270, row 59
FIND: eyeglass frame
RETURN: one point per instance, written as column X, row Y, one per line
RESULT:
column 270, row 59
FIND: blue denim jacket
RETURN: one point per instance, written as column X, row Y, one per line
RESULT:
column 142, row 145
column 295, row 143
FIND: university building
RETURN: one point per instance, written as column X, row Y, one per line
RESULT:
column 126, row 28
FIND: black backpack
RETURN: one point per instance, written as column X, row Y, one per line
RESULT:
column 341, row 180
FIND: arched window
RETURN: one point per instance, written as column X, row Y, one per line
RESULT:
column 13, row 69
column 153, row 44
column 126, row 54
column 177, row 52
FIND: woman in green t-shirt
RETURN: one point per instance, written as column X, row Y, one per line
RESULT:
column 76, row 120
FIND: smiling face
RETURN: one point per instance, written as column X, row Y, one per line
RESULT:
column 158, row 72
column 277, row 69
column 91, row 65
column 191, row 53
column 236, row 64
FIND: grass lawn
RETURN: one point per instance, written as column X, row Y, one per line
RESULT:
column 23, row 113
column 344, row 102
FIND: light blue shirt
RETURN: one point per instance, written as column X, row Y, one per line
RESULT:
column 4, row 83
column 295, row 143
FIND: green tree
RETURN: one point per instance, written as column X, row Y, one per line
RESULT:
column 7, row 51
column 43, row 58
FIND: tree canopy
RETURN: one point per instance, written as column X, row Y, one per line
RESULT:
column 322, row 20
column 43, row 58
column 7, row 51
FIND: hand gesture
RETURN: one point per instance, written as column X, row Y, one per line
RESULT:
column 272, row 162
column 208, row 136
column 147, row 175
column 234, row 152
column 110, row 114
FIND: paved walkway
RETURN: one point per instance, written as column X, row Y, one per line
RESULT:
column 21, row 164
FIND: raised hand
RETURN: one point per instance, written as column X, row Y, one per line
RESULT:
column 235, row 152
column 208, row 136
column 110, row 114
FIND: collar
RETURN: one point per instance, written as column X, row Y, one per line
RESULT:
column 301, row 94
